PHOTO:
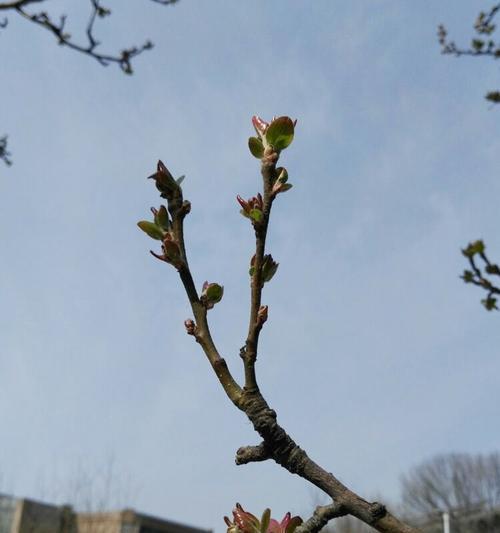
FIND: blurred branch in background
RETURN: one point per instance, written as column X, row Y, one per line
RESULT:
column 90, row 46
column 455, row 480
column 481, row 45
column 4, row 154
column 464, row 486
column 479, row 277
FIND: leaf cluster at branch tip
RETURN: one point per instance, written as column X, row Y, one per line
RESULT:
column 278, row 134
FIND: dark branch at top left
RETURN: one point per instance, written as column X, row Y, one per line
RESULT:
column 57, row 26
column 89, row 47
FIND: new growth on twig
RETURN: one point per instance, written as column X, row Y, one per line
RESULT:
column 476, row 276
column 483, row 45
column 167, row 227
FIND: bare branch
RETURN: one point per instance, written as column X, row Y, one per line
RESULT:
column 4, row 154
column 18, row 3
column 482, row 45
column 252, row 454
column 57, row 28
column 322, row 515
column 123, row 59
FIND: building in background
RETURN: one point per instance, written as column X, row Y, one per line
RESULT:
column 21, row 515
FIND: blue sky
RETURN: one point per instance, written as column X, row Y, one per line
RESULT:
column 376, row 356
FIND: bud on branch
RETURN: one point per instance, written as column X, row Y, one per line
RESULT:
column 211, row 294
column 272, row 137
column 245, row 522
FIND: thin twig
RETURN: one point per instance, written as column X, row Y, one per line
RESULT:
column 249, row 354
column 477, row 277
column 57, row 28
column 4, row 154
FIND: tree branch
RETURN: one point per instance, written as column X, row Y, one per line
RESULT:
column 322, row 515
column 175, row 253
column 123, row 59
column 252, row 454
column 42, row 19
column 276, row 443
column 4, row 154
column 482, row 45
column 477, row 277
column 249, row 353
column 57, row 28
column 18, row 3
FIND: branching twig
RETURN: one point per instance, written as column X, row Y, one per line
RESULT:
column 477, row 277
column 4, row 154
column 17, row 3
column 123, row 59
column 276, row 443
column 482, row 45
column 57, row 28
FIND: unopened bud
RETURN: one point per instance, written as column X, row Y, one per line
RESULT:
column 260, row 125
column 269, row 267
column 253, row 208
column 211, row 294
column 171, row 251
column 165, row 182
column 262, row 314
column 190, row 326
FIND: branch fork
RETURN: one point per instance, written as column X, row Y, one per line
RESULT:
column 276, row 443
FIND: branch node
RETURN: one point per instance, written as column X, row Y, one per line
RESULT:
column 377, row 511
column 252, row 454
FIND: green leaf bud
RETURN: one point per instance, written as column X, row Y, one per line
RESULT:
column 154, row 231
column 280, row 133
column 256, row 147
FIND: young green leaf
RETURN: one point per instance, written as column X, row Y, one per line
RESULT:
column 256, row 215
column 282, row 175
column 476, row 247
column 256, row 147
column 280, row 133
column 161, row 218
column 264, row 521
column 214, row 292
column 151, row 229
